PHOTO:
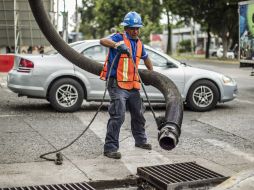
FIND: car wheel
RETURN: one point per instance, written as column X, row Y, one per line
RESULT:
column 66, row 95
column 203, row 95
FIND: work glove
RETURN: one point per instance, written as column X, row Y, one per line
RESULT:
column 123, row 49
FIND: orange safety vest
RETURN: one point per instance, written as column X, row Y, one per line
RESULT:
column 127, row 77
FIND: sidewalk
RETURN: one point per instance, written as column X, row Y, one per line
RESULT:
column 241, row 181
column 76, row 169
column 102, row 170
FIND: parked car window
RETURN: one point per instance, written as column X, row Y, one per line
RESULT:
column 158, row 60
column 97, row 53
column 51, row 50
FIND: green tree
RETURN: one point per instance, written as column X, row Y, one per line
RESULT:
column 169, row 7
column 215, row 16
column 224, row 22
column 88, row 25
column 98, row 17
column 185, row 46
column 220, row 18
column 167, row 4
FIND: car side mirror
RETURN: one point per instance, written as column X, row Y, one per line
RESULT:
column 170, row 65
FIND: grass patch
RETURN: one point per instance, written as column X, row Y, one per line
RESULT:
column 194, row 57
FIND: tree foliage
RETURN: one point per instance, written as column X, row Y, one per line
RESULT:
column 99, row 16
column 218, row 17
column 88, row 25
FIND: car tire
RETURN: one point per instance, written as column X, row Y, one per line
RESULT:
column 66, row 95
column 203, row 96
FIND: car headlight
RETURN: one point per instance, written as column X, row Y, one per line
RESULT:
column 227, row 80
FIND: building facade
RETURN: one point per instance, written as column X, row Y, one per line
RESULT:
column 18, row 27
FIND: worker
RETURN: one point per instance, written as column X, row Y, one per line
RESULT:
column 124, row 84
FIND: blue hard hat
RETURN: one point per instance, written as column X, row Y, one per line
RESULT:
column 132, row 19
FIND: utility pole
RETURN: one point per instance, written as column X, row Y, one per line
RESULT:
column 57, row 15
column 77, row 22
column 65, row 24
column 192, row 36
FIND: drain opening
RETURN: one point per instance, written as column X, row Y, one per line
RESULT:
column 129, row 182
column 179, row 175
column 70, row 186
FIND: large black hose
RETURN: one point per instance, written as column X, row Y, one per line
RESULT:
column 169, row 126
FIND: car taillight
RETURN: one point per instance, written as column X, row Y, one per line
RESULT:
column 25, row 65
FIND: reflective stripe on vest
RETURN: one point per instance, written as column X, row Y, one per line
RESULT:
column 127, row 77
column 125, row 69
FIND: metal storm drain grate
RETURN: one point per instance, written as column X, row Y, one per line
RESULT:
column 180, row 175
column 70, row 186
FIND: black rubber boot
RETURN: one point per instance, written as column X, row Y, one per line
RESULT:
column 144, row 146
column 114, row 155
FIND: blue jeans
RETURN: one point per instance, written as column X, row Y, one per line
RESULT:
column 119, row 99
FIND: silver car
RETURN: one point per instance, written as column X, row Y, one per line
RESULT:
column 65, row 86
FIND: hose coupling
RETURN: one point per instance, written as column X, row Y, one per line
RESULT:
column 168, row 135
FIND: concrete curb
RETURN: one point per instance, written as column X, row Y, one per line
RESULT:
column 241, row 181
column 212, row 60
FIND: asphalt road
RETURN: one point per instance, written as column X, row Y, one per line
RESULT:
column 223, row 136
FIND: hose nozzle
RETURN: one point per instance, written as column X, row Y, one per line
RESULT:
column 169, row 133
column 167, row 138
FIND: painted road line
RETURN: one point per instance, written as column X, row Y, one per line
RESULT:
column 244, row 101
column 11, row 115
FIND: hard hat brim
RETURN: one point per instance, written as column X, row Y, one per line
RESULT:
column 133, row 26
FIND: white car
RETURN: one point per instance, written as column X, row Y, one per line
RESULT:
column 229, row 55
column 65, row 85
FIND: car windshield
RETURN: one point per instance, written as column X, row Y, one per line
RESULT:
column 50, row 51
column 171, row 59
column 160, row 59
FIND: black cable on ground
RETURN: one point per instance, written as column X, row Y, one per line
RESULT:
column 59, row 157
column 170, row 124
